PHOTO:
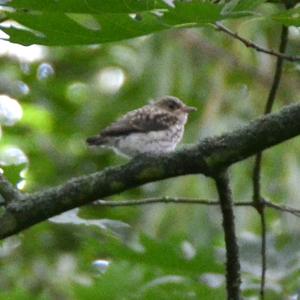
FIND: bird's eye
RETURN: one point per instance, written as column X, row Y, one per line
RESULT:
column 172, row 106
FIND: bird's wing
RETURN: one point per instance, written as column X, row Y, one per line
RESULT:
column 140, row 120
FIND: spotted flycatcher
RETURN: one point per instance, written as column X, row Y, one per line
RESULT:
column 154, row 129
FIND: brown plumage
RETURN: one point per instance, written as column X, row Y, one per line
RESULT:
column 153, row 128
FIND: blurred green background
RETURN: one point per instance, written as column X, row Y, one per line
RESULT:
column 156, row 251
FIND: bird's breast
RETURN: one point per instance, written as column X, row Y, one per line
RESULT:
column 161, row 141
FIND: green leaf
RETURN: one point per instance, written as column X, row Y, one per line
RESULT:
column 60, row 29
column 241, row 5
column 289, row 18
column 14, row 163
column 165, row 255
column 240, row 8
column 157, row 271
column 121, row 281
column 13, row 172
column 124, row 282
column 114, row 227
column 82, row 23
column 193, row 13
column 88, row 6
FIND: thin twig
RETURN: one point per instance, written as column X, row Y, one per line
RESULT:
column 192, row 41
column 163, row 200
column 250, row 44
column 233, row 268
column 263, row 251
column 186, row 200
column 278, row 70
column 257, row 165
column 283, row 208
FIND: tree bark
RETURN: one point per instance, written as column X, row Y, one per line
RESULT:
column 207, row 157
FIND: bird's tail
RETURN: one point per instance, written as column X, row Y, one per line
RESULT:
column 97, row 140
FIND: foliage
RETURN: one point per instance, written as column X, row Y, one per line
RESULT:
column 69, row 93
column 79, row 23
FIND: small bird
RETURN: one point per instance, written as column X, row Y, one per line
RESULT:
column 155, row 128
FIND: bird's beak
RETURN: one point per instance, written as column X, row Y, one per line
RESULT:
column 188, row 109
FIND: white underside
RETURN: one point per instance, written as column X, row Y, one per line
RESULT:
column 153, row 142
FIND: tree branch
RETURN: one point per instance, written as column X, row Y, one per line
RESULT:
column 257, row 165
column 233, row 269
column 8, row 191
column 207, row 157
column 254, row 46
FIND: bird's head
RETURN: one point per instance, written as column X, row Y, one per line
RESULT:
column 173, row 105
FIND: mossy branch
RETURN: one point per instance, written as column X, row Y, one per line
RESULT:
column 208, row 157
